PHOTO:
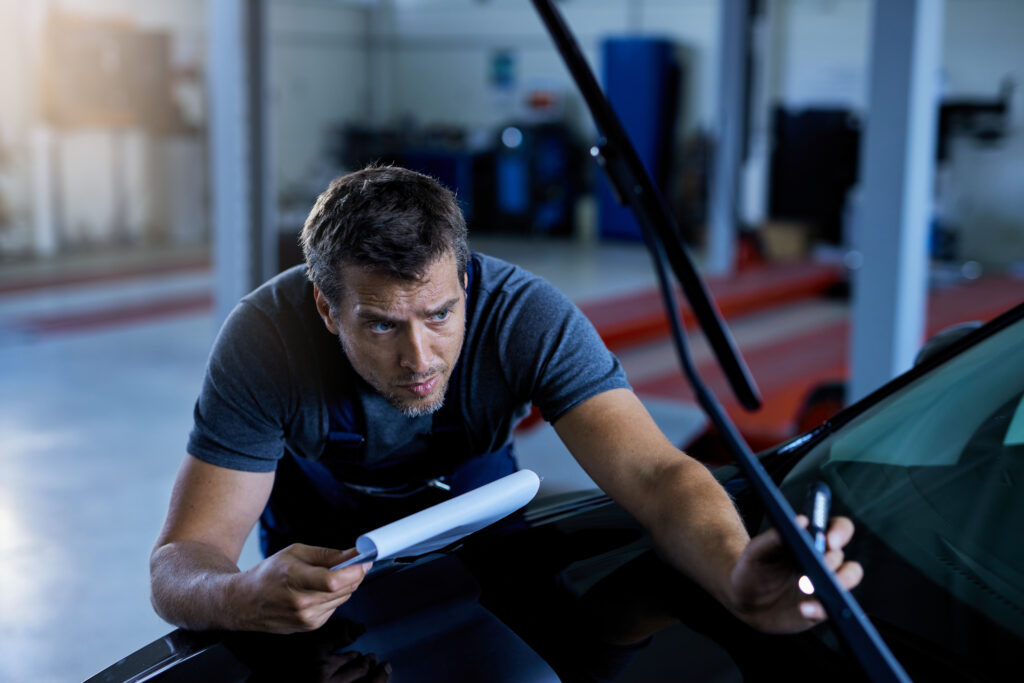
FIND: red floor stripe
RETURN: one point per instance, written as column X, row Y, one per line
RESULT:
column 787, row 370
column 637, row 318
column 116, row 316
column 198, row 264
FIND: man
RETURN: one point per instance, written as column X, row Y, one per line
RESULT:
column 392, row 379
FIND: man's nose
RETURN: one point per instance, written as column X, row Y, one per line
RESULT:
column 416, row 354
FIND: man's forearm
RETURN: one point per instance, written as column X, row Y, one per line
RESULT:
column 689, row 515
column 193, row 586
column 696, row 526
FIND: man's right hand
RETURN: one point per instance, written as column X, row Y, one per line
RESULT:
column 195, row 580
column 294, row 589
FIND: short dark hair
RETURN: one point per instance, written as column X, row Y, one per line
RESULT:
column 383, row 218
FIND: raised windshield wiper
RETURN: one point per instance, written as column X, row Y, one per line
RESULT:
column 631, row 182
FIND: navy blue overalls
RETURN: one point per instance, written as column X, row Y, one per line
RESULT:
column 329, row 502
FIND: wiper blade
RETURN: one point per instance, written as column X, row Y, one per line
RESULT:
column 630, row 180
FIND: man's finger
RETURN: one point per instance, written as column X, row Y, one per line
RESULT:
column 834, row 559
column 319, row 556
column 305, row 577
column 348, row 578
column 319, row 607
column 840, row 531
column 310, row 571
column 309, row 578
column 850, row 574
column 766, row 543
column 812, row 610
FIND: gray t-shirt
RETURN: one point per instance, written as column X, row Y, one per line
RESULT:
column 275, row 367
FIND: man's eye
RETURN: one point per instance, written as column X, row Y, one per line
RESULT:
column 381, row 326
column 442, row 316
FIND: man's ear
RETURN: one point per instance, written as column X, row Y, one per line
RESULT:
column 465, row 281
column 324, row 309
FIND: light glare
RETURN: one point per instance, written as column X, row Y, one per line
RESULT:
column 512, row 137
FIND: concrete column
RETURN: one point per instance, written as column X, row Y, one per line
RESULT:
column 897, row 170
column 763, row 65
column 733, row 24
column 242, row 193
column 262, row 167
column 45, row 234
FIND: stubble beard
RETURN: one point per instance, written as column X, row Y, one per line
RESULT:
column 420, row 408
column 425, row 406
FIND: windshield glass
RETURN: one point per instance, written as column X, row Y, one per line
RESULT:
column 932, row 476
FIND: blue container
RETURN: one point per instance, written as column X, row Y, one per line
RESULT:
column 641, row 79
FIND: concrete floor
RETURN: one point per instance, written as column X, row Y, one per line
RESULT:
column 92, row 429
column 93, row 424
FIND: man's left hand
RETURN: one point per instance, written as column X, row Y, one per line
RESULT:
column 764, row 580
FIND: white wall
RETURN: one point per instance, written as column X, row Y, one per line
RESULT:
column 438, row 54
column 983, row 45
column 319, row 63
column 442, row 51
column 821, row 56
column 429, row 60
column 85, row 156
column 821, row 51
column 15, row 117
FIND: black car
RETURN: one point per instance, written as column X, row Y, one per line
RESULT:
column 928, row 467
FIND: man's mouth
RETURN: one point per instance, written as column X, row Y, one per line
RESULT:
column 424, row 388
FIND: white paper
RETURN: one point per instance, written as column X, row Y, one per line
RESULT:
column 447, row 522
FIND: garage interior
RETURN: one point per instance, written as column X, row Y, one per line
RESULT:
column 846, row 173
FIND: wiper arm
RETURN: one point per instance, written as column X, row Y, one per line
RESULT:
column 633, row 185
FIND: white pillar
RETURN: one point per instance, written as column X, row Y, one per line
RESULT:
column 228, row 149
column 897, row 170
column 262, row 168
column 242, row 188
column 730, row 117
column 753, row 205
column 45, row 233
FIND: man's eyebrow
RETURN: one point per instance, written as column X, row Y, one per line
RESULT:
column 445, row 306
column 365, row 314
column 368, row 314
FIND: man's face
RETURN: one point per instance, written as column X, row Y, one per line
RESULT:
column 402, row 337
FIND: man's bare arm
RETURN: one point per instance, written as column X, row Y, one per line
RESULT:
column 690, row 517
column 196, row 582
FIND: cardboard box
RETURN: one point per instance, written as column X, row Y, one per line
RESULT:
column 785, row 241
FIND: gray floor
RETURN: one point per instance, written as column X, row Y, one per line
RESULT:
column 91, row 437
column 92, row 430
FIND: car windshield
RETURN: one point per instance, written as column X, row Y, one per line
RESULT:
column 932, row 476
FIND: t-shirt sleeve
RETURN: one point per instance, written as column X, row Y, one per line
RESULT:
column 556, row 359
column 241, row 412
